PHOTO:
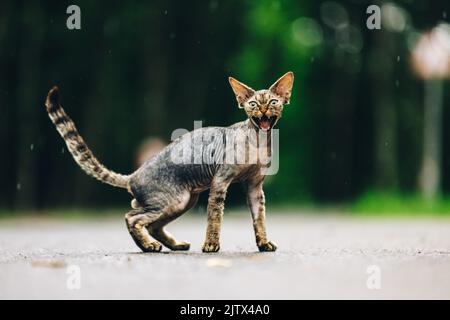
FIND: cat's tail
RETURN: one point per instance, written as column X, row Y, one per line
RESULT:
column 76, row 145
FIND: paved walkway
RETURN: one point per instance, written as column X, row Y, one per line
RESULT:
column 318, row 257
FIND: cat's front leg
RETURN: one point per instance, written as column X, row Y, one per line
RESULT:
column 257, row 204
column 216, row 203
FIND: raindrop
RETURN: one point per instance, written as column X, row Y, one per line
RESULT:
column 444, row 14
column 398, row 58
column 172, row 35
column 397, row 83
column 18, row 186
column 62, row 150
column 165, row 12
column 312, row 59
column 31, row 147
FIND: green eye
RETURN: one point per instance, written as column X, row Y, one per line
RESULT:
column 253, row 104
column 273, row 102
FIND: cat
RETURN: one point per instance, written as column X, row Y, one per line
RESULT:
column 164, row 190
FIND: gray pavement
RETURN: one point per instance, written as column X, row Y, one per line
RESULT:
column 319, row 256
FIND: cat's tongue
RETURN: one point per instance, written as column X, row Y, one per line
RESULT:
column 264, row 124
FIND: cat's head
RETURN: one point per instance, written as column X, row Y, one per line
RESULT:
column 264, row 107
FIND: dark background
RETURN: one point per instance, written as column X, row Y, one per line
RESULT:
column 141, row 69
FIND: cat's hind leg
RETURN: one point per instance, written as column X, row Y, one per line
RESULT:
column 155, row 211
column 157, row 231
column 137, row 220
column 168, row 240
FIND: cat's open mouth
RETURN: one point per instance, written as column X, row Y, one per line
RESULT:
column 264, row 123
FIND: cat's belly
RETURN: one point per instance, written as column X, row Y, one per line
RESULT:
column 196, row 177
column 203, row 177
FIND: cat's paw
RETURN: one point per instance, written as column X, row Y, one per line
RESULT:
column 181, row 246
column 267, row 246
column 211, row 247
column 152, row 247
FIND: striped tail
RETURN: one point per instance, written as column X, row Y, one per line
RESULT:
column 76, row 145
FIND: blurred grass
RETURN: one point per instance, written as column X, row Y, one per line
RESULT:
column 384, row 204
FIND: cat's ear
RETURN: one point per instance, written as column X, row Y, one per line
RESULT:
column 283, row 86
column 242, row 91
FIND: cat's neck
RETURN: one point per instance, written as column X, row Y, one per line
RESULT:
column 258, row 134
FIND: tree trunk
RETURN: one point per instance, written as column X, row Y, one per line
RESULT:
column 28, row 105
column 385, row 115
column 430, row 173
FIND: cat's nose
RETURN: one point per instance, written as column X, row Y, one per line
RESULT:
column 263, row 109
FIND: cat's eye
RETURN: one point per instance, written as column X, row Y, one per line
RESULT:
column 253, row 104
column 273, row 102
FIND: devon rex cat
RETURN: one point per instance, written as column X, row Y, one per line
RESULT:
column 163, row 189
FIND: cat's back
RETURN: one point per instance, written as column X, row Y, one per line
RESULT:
column 189, row 161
